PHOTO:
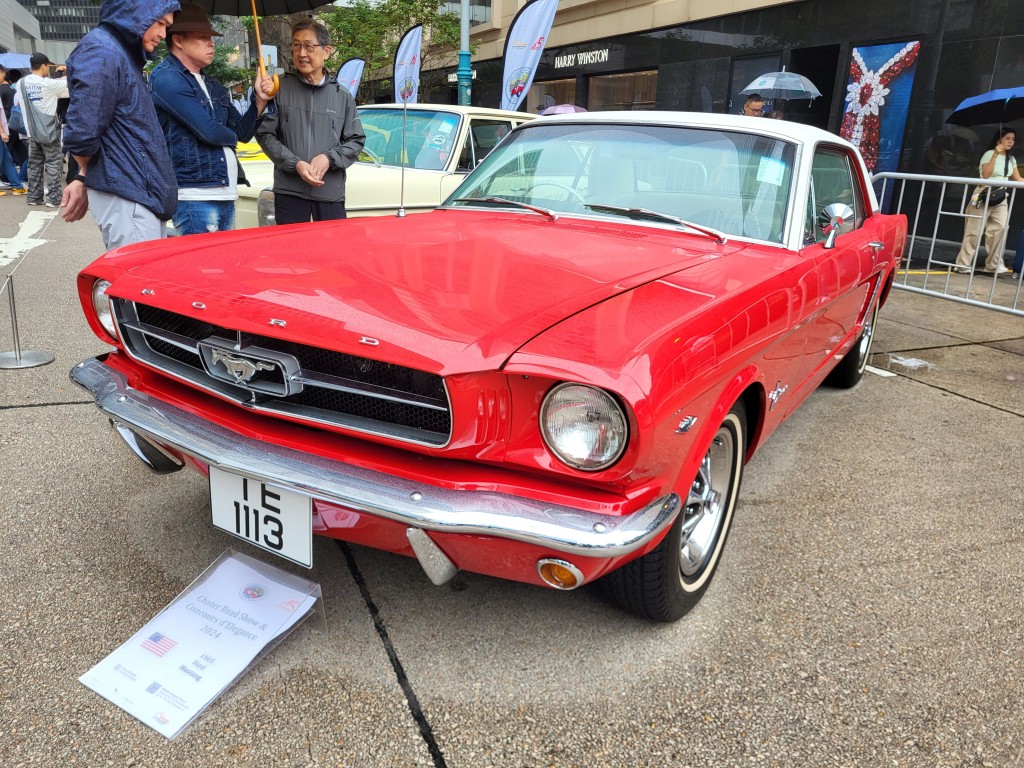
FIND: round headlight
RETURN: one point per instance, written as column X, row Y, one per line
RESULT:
column 101, row 306
column 584, row 427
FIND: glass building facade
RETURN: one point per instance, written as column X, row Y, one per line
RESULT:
column 63, row 20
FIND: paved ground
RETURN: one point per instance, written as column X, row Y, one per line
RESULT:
column 867, row 611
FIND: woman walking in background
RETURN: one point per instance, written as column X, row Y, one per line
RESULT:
column 996, row 165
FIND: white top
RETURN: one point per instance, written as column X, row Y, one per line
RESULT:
column 1002, row 171
column 228, row 192
column 43, row 92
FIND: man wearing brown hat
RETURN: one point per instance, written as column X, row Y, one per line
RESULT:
column 201, row 124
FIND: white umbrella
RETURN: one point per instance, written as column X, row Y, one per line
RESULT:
column 782, row 85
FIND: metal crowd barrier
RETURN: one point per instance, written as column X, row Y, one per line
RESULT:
column 937, row 208
column 19, row 358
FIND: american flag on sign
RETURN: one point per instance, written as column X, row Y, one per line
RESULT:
column 158, row 644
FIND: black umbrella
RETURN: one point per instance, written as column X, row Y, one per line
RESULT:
column 266, row 8
column 1000, row 106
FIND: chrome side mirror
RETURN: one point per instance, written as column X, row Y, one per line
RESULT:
column 835, row 220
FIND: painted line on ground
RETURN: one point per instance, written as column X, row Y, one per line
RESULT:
column 14, row 248
column 880, row 372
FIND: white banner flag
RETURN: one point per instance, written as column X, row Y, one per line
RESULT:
column 407, row 66
column 350, row 74
column 523, row 48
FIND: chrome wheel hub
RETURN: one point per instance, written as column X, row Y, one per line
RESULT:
column 704, row 511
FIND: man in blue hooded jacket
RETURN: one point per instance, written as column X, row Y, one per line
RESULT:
column 112, row 129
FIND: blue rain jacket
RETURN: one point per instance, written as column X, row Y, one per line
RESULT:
column 111, row 118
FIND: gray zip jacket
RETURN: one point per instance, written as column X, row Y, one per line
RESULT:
column 311, row 120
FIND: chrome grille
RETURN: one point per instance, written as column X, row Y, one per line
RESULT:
column 333, row 388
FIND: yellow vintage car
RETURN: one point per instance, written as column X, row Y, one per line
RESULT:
column 442, row 143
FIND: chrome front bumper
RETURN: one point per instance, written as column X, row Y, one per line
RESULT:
column 417, row 505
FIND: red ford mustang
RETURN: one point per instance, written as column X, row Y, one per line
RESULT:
column 556, row 377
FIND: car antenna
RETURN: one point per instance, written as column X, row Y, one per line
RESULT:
column 401, row 189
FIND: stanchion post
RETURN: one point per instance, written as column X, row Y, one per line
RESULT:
column 17, row 358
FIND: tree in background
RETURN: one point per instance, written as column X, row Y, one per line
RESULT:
column 220, row 69
column 372, row 29
column 275, row 31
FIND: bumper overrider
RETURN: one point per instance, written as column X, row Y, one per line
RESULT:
column 150, row 426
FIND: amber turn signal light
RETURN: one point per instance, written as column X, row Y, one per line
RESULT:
column 559, row 574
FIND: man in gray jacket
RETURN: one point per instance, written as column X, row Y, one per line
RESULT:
column 314, row 135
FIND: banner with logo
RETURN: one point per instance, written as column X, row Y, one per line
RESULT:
column 350, row 74
column 407, row 66
column 877, row 101
column 523, row 48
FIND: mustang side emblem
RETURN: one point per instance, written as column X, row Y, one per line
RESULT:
column 776, row 393
column 239, row 367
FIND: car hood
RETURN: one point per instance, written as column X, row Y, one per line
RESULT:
column 451, row 291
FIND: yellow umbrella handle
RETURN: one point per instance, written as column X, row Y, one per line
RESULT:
column 259, row 45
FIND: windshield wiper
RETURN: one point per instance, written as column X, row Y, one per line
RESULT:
column 647, row 213
column 503, row 201
column 369, row 153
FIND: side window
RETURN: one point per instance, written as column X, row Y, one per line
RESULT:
column 832, row 181
column 483, row 136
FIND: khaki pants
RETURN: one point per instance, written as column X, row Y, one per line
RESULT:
column 122, row 221
column 995, row 234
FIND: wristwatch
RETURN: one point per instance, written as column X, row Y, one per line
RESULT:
column 79, row 177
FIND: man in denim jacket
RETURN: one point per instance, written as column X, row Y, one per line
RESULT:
column 201, row 124
column 112, row 129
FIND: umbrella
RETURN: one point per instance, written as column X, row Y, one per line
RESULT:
column 782, row 85
column 15, row 61
column 562, row 109
column 266, row 8
column 1000, row 106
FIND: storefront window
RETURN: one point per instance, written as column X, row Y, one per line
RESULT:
column 633, row 90
column 547, row 94
column 479, row 11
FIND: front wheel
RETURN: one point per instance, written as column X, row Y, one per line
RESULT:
column 851, row 368
column 667, row 582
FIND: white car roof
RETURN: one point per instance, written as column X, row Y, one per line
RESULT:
column 785, row 130
column 782, row 129
column 455, row 108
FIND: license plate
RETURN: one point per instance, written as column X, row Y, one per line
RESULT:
column 272, row 518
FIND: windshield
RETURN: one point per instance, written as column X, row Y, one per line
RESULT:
column 429, row 137
column 737, row 183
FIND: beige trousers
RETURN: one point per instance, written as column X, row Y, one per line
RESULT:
column 995, row 234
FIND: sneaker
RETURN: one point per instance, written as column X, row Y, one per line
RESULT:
column 52, row 205
column 962, row 270
column 4, row 186
column 19, row 191
column 1002, row 269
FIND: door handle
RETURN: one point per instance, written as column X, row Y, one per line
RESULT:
column 876, row 246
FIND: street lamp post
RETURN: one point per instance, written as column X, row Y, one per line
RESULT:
column 465, row 70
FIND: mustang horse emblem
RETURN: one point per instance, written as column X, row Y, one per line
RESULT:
column 239, row 367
